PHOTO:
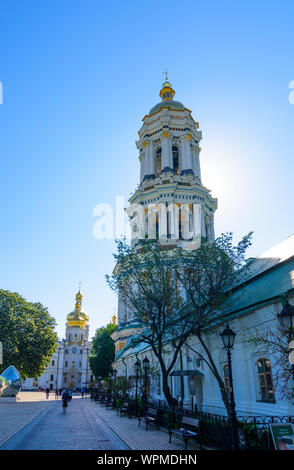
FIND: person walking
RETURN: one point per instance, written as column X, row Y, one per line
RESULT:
column 70, row 394
column 56, row 394
column 65, row 400
column 83, row 392
column 47, row 393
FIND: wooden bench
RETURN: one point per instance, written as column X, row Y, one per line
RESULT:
column 125, row 409
column 109, row 404
column 151, row 417
column 102, row 400
column 189, row 430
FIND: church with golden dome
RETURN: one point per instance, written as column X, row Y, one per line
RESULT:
column 69, row 367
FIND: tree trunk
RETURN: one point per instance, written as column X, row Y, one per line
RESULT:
column 166, row 390
column 217, row 376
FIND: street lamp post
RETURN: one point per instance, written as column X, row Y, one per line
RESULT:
column 145, row 367
column 228, row 337
column 110, row 377
column 286, row 319
column 137, row 370
column 114, row 373
column 59, row 349
column 87, row 349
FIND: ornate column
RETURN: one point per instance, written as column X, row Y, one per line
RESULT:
column 171, row 218
column 163, row 221
column 197, row 222
column 140, row 222
column 152, row 221
column 212, row 227
column 197, row 162
column 165, row 152
column 203, row 228
column 176, row 219
column 141, row 159
column 187, row 163
column 148, row 160
column 183, row 164
column 170, row 154
column 185, row 218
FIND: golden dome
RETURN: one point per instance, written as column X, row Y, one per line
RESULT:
column 77, row 318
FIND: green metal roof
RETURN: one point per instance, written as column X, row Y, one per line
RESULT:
column 167, row 104
column 268, row 285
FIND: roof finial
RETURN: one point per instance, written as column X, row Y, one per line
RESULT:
column 80, row 285
column 166, row 75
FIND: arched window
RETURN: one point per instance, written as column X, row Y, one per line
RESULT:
column 175, row 151
column 158, row 161
column 265, row 380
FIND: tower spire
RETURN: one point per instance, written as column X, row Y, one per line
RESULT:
column 167, row 92
column 78, row 304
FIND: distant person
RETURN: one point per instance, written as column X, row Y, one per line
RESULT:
column 70, row 394
column 47, row 392
column 83, row 392
column 65, row 400
column 56, row 394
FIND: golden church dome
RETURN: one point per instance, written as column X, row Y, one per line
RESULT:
column 77, row 318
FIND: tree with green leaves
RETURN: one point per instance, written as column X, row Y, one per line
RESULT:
column 27, row 334
column 102, row 351
column 176, row 294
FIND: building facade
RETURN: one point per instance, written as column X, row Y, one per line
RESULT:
column 172, row 205
column 69, row 366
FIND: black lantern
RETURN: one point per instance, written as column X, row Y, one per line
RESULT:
column 110, row 374
column 228, row 337
column 114, row 373
column 137, row 369
column 145, row 363
column 286, row 318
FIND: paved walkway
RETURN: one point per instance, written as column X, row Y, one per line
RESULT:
column 78, row 429
column 13, row 416
column 137, row 437
column 35, row 423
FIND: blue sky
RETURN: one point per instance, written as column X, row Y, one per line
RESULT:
column 79, row 75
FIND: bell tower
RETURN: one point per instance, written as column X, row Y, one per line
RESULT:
column 171, row 203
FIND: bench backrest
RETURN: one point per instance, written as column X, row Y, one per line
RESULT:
column 151, row 412
column 190, row 421
column 126, row 404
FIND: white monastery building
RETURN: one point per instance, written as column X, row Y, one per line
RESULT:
column 69, row 366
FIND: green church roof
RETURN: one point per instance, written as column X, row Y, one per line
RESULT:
column 167, row 104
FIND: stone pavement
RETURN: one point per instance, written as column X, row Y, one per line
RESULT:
column 14, row 416
column 34, row 423
column 78, row 429
column 137, row 438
